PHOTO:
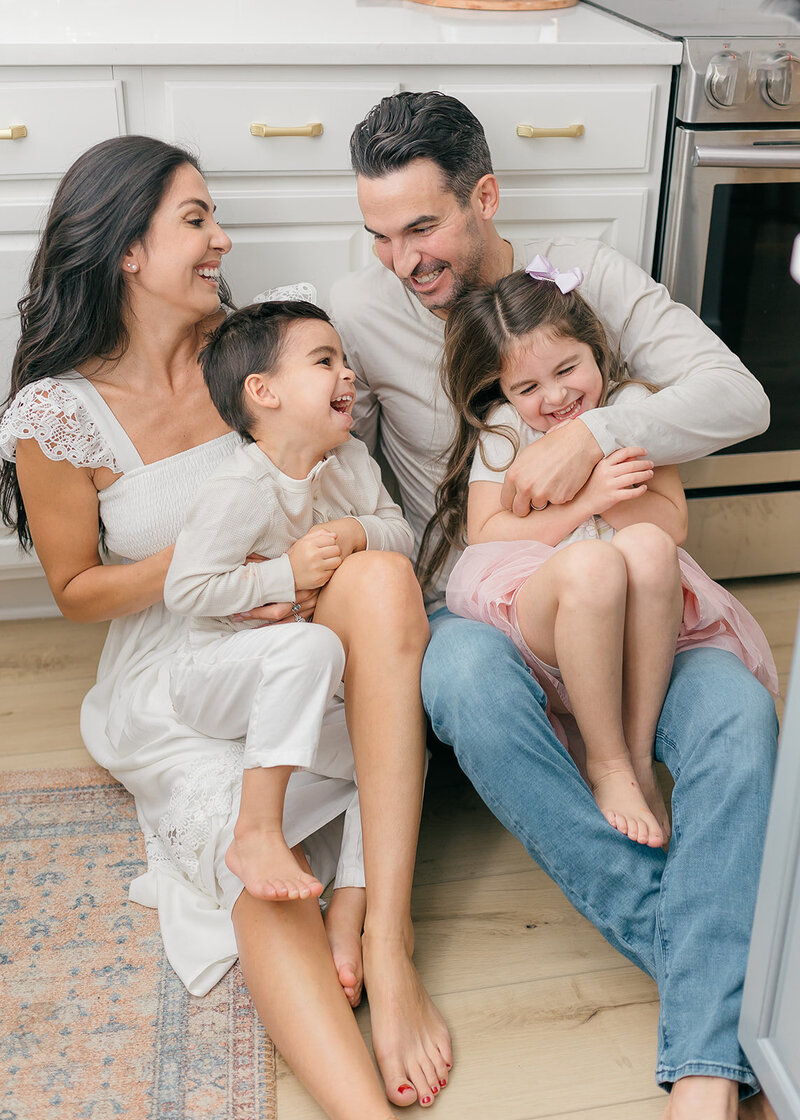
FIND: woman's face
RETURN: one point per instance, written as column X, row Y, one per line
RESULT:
column 550, row 379
column 177, row 263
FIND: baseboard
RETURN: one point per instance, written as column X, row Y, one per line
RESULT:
column 23, row 588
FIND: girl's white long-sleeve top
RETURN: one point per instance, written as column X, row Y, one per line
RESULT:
column 249, row 506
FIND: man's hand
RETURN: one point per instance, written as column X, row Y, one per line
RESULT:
column 552, row 469
column 622, row 475
column 315, row 557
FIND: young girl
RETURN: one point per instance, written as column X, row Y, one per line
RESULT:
column 595, row 593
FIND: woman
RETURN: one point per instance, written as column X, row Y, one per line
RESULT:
column 113, row 430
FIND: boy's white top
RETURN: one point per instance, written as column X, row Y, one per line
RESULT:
column 249, row 506
column 496, row 453
column 394, row 345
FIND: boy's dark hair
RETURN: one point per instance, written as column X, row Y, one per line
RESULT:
column 249, row 341
column 408, row 126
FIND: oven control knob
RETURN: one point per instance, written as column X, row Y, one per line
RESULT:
column 780, row 80
column 727, row 80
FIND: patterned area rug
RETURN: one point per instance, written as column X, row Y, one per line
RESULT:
column 95, row 1024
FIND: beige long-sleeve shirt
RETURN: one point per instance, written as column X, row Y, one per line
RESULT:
column 394, row 345
column 249, row 506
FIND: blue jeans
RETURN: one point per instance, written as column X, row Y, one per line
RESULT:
column 683, row 917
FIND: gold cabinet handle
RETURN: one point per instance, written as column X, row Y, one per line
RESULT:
column 15, row 132
column 531, row 133
column 312, row 129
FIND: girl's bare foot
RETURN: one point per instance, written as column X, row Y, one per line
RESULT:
column 409, row 1038
column 260, row 857
column 703, row 1098
column 344, row 921
column 645, row 772
column 620, row 799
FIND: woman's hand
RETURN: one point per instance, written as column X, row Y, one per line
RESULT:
column 274, row 613
column 619, row 477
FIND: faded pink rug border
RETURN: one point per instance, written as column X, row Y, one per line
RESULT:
column 95, row 1021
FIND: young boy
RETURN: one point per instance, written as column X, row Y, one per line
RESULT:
column 278, row 518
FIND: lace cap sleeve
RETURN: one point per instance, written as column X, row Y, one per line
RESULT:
column 59, row 422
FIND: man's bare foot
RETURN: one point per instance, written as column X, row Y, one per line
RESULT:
column 409, row 1038
column 344, row 921
column 260, row 857
column 645, row 772
column 703, row 1098
column 757, row 1108
column 620, row 799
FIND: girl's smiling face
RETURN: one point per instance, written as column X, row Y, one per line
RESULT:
column 550, row 379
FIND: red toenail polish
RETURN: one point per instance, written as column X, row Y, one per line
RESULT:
column 426, row 1100
column 442, row 1082
column 405, row 1089
column 434, row 1089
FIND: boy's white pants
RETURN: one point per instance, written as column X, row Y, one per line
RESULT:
column 275, row 687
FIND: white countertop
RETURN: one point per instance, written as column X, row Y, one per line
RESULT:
column 275, row 32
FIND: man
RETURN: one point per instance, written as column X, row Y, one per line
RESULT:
column 428, row 197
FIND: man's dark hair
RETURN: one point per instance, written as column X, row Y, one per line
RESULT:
column 408, row 126
column 249, row 341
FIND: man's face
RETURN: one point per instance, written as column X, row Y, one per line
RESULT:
column 423, row 234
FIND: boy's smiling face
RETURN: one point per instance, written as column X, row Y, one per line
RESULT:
column 313, row 384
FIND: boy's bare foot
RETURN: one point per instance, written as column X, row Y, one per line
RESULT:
column 620, row 799
column 703, row 1098
column 409, row 1038
column 344, row 921
column 260, row 857
column 645, row 772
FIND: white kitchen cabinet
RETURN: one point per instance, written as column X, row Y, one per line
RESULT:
column 289, row 202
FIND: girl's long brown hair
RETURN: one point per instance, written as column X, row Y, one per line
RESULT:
column 479, row 331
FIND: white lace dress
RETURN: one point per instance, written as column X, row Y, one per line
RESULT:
column 186, row 787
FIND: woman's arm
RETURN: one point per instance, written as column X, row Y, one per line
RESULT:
column 664, row 505
column 61, row 503
column 619, row 478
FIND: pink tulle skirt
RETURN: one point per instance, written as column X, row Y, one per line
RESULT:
column 486, row 580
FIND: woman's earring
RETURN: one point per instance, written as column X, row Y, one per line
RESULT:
column 133, row 267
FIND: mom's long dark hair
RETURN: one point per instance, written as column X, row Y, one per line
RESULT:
column 481, row 327
column 74, row 308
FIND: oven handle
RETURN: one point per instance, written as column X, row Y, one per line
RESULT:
column 780, row 156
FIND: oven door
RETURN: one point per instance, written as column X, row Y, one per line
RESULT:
column 732, row 214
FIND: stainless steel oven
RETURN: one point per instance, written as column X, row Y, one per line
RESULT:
column 732, row 214
column 730, row 211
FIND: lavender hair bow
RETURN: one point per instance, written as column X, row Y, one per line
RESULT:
column 540, row 268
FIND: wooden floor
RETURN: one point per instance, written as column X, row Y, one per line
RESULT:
column 547, row 1020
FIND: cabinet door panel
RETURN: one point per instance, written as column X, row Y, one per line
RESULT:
column 614, row 216
column 215, row 118
column 264, row 257
column 617, row 122
column 63, row 119
column 16, row 254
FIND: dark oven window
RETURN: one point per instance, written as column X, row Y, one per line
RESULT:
column 750, row 300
